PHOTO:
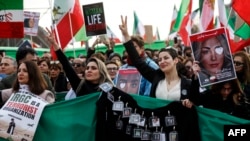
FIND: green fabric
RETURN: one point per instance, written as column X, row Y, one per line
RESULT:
column 60, row 96
column 74, row 120
column 243, row 31
column 12, row 5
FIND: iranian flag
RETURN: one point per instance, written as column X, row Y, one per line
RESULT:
column 69, row 21
column 242, row 7
column 185, row 28
column 157, row 35
column 207, row 15
column 138, row 28
column 174, row 16
column 11, row 23
column 112, row 36
column 223, row 18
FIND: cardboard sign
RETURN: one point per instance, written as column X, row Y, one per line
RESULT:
column 94, row 19
column 148, row 34
column 212, row 52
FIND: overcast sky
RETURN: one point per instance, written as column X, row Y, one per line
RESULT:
column 157, row 13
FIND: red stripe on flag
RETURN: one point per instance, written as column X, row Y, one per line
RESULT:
column 11, row 30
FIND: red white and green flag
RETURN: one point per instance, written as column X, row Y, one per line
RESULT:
column 207, row 15
column 138, row 28
column 181, row 13
column 69, row 21
column 185, row 28
column 11, row 21
column 157, row 35
column 224, row 22
column 174, row 16
column 242, row 7
column 111, row 35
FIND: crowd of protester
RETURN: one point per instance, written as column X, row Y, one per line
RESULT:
column 168, row 73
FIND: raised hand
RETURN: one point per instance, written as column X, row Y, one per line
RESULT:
column 51, row 38
column 124, row 28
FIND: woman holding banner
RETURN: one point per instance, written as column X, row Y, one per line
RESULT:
column 29, row 78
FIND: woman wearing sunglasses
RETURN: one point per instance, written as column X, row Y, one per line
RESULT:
column 95, row 73
column 242, row 68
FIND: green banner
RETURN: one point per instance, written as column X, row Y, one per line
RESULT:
column 75, row 120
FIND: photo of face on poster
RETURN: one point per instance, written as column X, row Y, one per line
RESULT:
column 31, row 21
column 129, row 81
column 212, row 52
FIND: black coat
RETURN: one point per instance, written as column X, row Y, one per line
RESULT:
column 154, row 76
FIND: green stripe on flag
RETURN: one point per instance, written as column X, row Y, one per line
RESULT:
column 81, row 35
column 136, row 22
column 182, row 11
column 11, row 4
column 243, row 31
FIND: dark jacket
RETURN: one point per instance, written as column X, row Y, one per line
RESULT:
column 61, row 83
column 186, row 119
column 152, row 75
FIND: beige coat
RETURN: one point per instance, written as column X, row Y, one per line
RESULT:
column 46, row 95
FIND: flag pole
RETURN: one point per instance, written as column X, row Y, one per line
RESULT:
column 31, row 39
column 71, row 32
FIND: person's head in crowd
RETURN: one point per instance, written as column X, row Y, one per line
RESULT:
column 168, row 59
column 139, row 46
column 2, row 54
column 187, row 52
column 29, row 74
column 179, row 49
column 8, row 65
column 112, row 67
column 71, row 58
column 149, row 52
column 96, row 71
column 155, row 54
column 188, row 63
column 46, row 56
column 242, row 66
column 82, row 57
column 79, row 66
column 55, row 69
column 116, row 57
column 227, row 89
column 213, row 54
column 25, row 54
column 44, row 66
column 99, row 55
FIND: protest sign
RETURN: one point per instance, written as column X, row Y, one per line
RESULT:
column 31, row 20
column 19, row 117
column 212, row 52
column 129, row 80
column 94, row 19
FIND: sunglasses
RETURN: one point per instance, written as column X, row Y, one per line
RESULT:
column 76, row 64
column 54, row 62
column 111, row 69
column 236, row 63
